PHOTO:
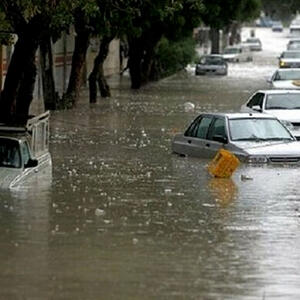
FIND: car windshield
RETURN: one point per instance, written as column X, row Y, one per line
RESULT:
column 289, row 54
column 231, row 50
column 259, row 129
column 9, row 153
column 212, row 60
column 283, row 101
column 288, row 75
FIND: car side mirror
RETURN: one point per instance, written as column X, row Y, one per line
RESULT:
column 31, row 163
column 256, row 108
column 220, row 138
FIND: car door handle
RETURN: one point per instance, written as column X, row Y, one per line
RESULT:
column 207, row 145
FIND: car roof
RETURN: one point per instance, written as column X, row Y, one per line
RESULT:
column 241, row 115
column 291, row 51
column 279, row 91
column 294, row 40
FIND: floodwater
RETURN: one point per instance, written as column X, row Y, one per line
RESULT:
column 121, row 217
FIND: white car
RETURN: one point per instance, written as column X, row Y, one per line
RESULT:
column 283, row 104
column 285, row 78
column 237, row 53
column 253, row 138
column 289, row 59
column 253, row 43
column 293, row 44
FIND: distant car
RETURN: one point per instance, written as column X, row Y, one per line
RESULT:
column 289, row 59
column 253, row 43
column 277, row 26
column 293, row 44
column 253, row 138
column 211, row 64
column 294, row 29
column 285, row 78
column 237, row 53
column 283, row 104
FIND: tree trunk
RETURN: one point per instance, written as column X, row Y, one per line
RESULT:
column 215, row 40
column 81, row 45
column 49, row 94
column 135, row 61
column 97, row 74
column 25, row 93
column 22, row 58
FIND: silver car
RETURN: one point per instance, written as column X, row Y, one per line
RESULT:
column 213, row 64
column 283, row 104
column 253, row 138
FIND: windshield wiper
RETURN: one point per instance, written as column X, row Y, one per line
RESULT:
column 277, row 107
column 256, row 139
column 279, row 139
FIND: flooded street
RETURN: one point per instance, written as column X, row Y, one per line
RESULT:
column 121, row 217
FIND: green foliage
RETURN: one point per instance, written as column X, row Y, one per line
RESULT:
column 172, row 56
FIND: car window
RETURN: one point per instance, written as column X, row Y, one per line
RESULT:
column 257, row 99
column 199, row 127
column 203, row 127
column 217, row 128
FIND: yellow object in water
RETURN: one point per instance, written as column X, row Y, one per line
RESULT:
column 224, row 164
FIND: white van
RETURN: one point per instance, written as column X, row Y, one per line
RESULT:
column 237, row 53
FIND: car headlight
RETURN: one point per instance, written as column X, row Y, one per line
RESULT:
column 282, row 63
column 257, row 159
column 287, row 124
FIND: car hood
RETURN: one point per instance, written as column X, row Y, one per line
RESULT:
column 292, row 115
column 288, row 60
column 286, row 84
column 291, row 148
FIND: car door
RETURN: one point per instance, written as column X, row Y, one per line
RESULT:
column 217, row 136
column 195, row 138
column 254, row 102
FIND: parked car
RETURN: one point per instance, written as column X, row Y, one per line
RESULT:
column 253, row 138
column 211, row 64
column 294, row 29
column 283, row 104
column 293, row 44
column 24, row 150
column 253, row 43
column 237, row 53
column 277, row 26
column 285, row 78
column 289, row 59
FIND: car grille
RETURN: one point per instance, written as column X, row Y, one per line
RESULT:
column 280, row 159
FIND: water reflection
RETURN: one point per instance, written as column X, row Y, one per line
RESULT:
column 224, row 190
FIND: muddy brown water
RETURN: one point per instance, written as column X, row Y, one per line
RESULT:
column 121, row 217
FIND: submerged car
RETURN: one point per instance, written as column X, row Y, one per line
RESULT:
column 293, row 44
column 237, row 53
column 211, row 64
column 24, row 150
column 253, row 43
column 253, row 138
column 289, row 59
column 277, row 26
column 288, row 78
column 283, row 104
